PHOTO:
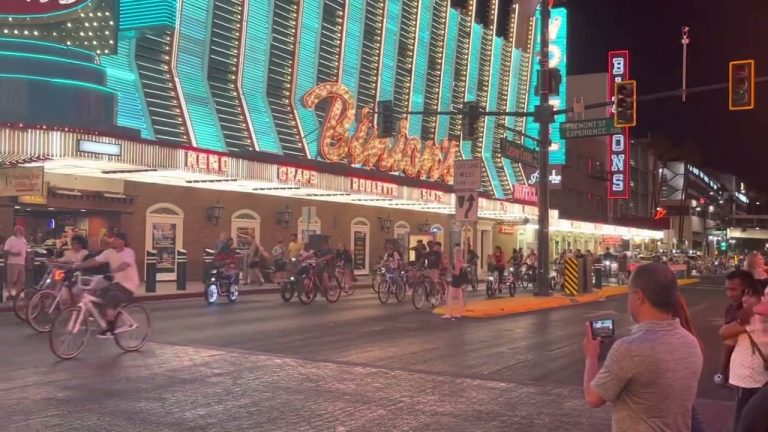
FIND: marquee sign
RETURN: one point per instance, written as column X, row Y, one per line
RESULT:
column 403, row 154
column 39, row 8
column 618, row 144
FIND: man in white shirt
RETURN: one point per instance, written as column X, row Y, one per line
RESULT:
column 16, row 250
column 122, row 266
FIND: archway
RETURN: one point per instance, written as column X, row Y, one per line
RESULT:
column 165, row 235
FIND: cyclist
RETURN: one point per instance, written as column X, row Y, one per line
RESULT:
column 392, row 257
column 499, row 265
column 531, row 260
column 122, row 266
column 76, row 254
column 419, row 251
column 226, row 258
column 433, row 262
column 344, row 256
column 325, row 263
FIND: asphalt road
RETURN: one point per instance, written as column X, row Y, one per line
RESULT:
column 262, row 364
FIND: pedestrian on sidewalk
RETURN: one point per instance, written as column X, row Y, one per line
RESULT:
column 258, row 255
column 279, row 255
column 16, row 250
column 748, row 369
column 459, row 278
column 753, row 417
column 650, row 377
column 755, row 264
column 735, row 283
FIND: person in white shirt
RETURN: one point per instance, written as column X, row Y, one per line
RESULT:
column 77, row 253
column 122, row 266
column 16, row 250
column 747, row 370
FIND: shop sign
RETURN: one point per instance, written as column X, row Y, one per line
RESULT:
column 555, row 176
column 296, row 176
column 432, row 196
column 21, row 181
column 612, row 240
column 208, row 162
column 408, row 155
column 525, row 194
column 618, row 143
column 39, row 7
column 511, row 227
column 372, row 187
column 35, row 199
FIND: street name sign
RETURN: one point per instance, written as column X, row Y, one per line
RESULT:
column 467, row 174
column 518, row 153
column 588, row 128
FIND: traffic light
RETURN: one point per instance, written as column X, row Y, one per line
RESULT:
column 625, row 113
column 470, row 115
column 385, row 119
column 741, row 85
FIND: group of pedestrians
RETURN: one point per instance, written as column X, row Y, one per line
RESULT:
column 651, row 376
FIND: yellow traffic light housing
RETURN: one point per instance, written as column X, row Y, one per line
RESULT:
column 625, row 111
column 741, row 85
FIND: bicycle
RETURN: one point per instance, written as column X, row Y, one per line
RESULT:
column 70, row 331
column 472, row 274
column 341, row 274
column 314, row 284
column 377, row 278
column 425, row 290
column 46, row 304
column 21, row 301
column 527, row 277
column 391, row 284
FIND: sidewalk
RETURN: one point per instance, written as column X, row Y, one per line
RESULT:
column 525, row 301
column 167, row 291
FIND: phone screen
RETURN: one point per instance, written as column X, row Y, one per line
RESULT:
column 603, row 328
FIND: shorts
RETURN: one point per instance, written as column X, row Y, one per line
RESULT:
column 114, row 295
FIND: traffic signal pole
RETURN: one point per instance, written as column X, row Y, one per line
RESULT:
column 545, row 119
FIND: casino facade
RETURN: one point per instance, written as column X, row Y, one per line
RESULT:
column 180, row 119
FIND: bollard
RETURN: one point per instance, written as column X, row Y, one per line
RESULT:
column 208, row 255
column 571, row 277
column 585, row 276
column 2, row 276
column 598, row 272
column 181, row 270
column 150, row 262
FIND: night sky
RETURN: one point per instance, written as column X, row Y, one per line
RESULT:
column 720, row 31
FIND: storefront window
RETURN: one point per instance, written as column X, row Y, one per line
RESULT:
column 165, row 228
column 402, row 229
column 308, row 228
column 438, row 233
column 246, row 229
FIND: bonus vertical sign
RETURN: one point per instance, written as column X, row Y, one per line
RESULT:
column 618, row 144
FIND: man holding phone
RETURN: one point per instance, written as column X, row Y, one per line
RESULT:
column 650, row 377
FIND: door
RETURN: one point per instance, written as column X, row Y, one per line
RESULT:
column 360, row 240
column 165, row 235
column 246, row 229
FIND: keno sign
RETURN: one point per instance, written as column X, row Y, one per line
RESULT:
column 39, row 7
column 618, row 144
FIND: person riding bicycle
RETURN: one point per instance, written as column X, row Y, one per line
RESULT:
column 76, row 253
column 436, row 264
column 499, row 264
column 227, row 260
column 531, row 260
column 326, row 265
column 392, row 258
column 344, row 257
column 122, row 267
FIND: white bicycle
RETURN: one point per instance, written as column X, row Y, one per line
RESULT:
column 72, row 327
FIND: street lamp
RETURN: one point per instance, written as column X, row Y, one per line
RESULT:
column 284, row 217
column 214, row 213
column 385, row 223
column 424, row 227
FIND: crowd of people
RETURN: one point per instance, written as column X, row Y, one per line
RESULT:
column 651, row 377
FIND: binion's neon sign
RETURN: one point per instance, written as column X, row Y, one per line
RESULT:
column 39, row 8
column 404, row 154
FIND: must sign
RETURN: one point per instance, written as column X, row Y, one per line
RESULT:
column 467, row 174
column 588, row 128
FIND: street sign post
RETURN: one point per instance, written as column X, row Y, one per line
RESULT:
column 588, row 128
column 466, row 206
column 467, row 174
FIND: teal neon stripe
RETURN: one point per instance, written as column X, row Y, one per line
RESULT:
column 490, row 122
column 389, row 57
column 67, row 11
column 472, row 77
column 140, row 14
column 306, row 70
column 50, row 58
column 123, row 78
column 353, row 47
column 192, row 71
column 420, row 65
column 449, row 65
column 512, row 102
column 59, row 81
column 255, row 75
column 558, row 43
column 52, row 45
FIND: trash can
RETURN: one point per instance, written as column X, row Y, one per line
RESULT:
column 597, row 271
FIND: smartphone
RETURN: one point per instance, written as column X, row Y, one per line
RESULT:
column 603, row 328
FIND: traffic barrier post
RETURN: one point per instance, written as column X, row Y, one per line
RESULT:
column 151, row 273
column 571, row 277
column 181, row 270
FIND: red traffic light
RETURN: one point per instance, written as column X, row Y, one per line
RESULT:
column 741, row 85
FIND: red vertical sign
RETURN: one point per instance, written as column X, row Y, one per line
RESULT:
column 618, row 144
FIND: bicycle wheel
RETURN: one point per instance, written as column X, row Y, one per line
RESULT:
column 68, row 336
column 435, row 294
column 376, row 282
column 400, row 291
column 490, row 290
column 473, row 280
column 287, row 290
column 308, row 291
column 42, row 311
column 333, row 294
column 349, row 288
column 385, row 289
column 512, row 287
column 419, row 296
column 132, row 327
column 21, row 301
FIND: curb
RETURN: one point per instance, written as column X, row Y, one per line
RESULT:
column 501, row 307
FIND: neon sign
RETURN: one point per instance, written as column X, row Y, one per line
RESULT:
column 296, row 176
column 408, row 156
column 39, row 8
column 618, row 144
column 212, row 163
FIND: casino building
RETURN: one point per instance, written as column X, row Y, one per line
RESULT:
column 177, row 120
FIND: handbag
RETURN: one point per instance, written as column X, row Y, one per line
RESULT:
column 756, row 349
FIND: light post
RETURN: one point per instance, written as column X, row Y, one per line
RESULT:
column 545, row 117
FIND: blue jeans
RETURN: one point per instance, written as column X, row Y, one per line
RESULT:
column 697, row 424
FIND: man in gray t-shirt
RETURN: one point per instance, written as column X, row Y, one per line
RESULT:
column 650, row 377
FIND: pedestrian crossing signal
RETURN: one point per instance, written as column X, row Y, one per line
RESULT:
column 741, row 85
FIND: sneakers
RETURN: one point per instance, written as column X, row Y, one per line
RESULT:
column 105, row 334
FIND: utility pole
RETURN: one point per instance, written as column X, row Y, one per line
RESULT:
column 545, row 117
column 685, row 41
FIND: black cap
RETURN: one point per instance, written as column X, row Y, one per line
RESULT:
column 122, row 236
